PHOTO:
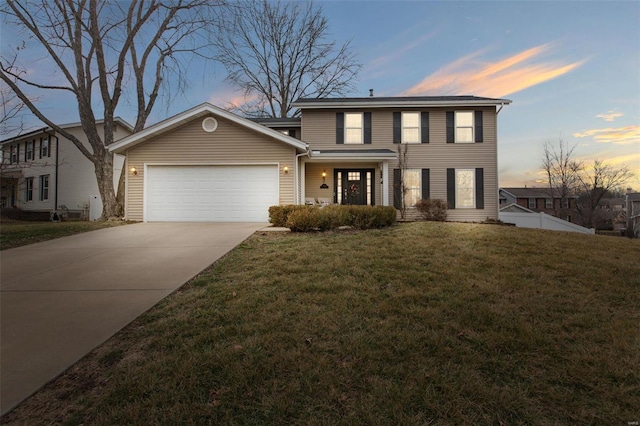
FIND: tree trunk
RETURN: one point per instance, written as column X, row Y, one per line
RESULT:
column 104, row 177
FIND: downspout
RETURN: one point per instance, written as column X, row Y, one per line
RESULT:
column 296, row 181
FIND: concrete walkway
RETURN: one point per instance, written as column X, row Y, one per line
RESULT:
column 62, row 298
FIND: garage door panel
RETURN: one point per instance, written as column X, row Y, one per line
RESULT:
column 211, row 193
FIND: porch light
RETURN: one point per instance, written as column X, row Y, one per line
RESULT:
column 324, row 183
column 134, row 171
column 285, row 169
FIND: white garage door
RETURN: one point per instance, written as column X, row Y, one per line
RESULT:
column 210, row 193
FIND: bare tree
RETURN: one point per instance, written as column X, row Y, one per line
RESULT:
column 12, row 113
column 102, row 51
column 562, row 171
column 403, row 162
column 278, row 52
column 593, row 183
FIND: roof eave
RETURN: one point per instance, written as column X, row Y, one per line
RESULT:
column 400, row 104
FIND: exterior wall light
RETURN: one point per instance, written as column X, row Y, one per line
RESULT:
column 134, row 171
column 285, row 169
column 324, row 180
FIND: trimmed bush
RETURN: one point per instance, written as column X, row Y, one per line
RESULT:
column 433, row 209
column 313, row 218
column 278, row 215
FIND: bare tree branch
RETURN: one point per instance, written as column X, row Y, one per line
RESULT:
column 278, row 52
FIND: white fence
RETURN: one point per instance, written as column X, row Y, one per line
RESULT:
column 542, row 221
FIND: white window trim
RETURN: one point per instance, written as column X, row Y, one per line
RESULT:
column 28, row 193
column 43, row 187
column 455, row 126
column 548, row 203
column 473, row 188
column 532, row 204
column 30, row 148
column 402, row 127
column 361, row 114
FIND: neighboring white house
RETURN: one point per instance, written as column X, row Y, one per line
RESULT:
column 43, row 171
column 522, row 217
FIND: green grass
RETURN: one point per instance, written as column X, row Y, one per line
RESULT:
column 422, row 323
column 15, row 233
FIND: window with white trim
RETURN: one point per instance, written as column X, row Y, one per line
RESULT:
column 13, row 156
column 464, row 126
column 532, row 203
column 412, row 184
column 29, row 148
column 44, row 148
column 410, row 127
column 465, row 188
column 44, row 187
column 353, row 128
column 28, row 196
column 548, row 203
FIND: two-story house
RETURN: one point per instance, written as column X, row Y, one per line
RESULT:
column 539, row 200
column 207, row 164
column 42, row 171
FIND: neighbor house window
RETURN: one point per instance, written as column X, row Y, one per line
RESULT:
column 44, row 187
column 532, row 203
column 29, row 148
column 548, row 203
column 353, row 128
column 28, row 196
column 565, row 203
column 44, row 148
column 13, row 157
column 465, row 188
column 410, row 127
column 412, row 178
column 464, row 126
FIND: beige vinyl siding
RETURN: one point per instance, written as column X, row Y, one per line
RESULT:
column 438, row 155
column 189, row 144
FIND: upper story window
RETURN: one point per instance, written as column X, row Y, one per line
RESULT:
column 532, row 203
column 411, row 127
column 548, row 203
column 45, row 150
column 464, row 127
column 13, row 156
column 353, row 127
column 29, row 150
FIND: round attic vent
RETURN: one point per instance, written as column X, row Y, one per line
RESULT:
column 209, row 124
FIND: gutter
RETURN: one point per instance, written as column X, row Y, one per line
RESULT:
column 296, row 182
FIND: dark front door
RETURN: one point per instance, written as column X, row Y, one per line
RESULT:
column 354, row 186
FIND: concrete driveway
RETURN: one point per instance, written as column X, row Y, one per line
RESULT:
column 62, row 298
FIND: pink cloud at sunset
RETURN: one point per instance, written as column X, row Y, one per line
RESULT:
column 620, row 135
column 470, row 75
column 609, row 115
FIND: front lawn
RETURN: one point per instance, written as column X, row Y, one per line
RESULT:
column 14, row 233
column 421, row 323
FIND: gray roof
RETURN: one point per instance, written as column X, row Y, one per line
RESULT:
column 278, row 122
column 531, row 192
column 399, row 101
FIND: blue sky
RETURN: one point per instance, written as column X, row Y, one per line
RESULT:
column 571, row 68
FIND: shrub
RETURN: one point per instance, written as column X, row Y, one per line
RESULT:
column 433, row 209
column 311, row 218
column 278, row 215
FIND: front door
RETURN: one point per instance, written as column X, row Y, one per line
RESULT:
column 354, row 186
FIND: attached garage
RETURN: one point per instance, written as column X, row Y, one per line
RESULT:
column 208, row 165
column 187, row 193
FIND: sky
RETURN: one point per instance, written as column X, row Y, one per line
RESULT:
column 571, row 68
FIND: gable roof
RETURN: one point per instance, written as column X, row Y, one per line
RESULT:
column 202, row 110
column 398, row 101
column 515, row 208
column 118, row 120
column 531, row 193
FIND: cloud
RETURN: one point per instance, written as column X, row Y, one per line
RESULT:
column 471, row 75
column 610, row 115
column 620, row 135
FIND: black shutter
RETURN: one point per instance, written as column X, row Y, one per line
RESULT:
column 451, row 138
column 340, row 127
column 426, row 193
column 367, row 127
column 478, row 123
column 424, row 123
column 479, row 188
column 397, row 127
column 25, row 150
column 397, row 189
column 451, row 188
